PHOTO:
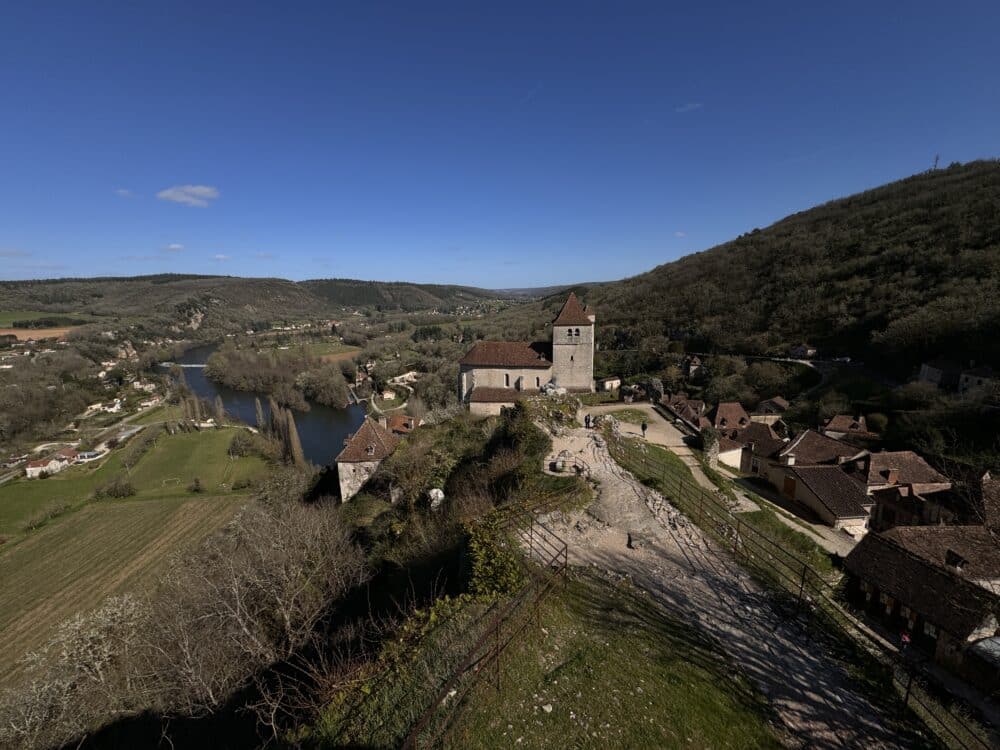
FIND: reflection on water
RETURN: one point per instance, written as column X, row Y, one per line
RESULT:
column 322, row 429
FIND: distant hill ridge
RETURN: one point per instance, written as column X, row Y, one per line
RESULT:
column 906, row 271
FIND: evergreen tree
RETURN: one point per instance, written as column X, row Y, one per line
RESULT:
column 260, row 415
column 220, row 410
column 294, row 444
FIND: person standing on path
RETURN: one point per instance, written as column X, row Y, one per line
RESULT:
column 644, row 428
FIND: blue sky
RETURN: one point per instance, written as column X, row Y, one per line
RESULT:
column 500, row 145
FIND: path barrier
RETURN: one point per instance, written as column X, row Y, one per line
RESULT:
column 812, row 594
column 549, row 557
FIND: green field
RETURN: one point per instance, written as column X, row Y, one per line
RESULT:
column 165, row 471
column 100, row 547
column 162, row 413
column 109, row 547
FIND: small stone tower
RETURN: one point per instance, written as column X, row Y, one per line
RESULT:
column 573, row 347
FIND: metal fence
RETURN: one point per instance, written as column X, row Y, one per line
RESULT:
column 549, row 556
column 812, row 594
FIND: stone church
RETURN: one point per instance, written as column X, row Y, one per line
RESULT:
column 495, row 374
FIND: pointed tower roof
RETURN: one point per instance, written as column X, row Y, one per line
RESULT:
column 573, row 313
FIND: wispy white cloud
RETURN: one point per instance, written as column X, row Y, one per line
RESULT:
column 14, row 254
column 680, row 234
column 219, row 257
column 262, row 255
column 189, row 195
column 124, row 193
column 173, row 247
column 688, row 107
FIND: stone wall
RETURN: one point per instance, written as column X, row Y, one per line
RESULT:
column 531, row 378
column 352, row 477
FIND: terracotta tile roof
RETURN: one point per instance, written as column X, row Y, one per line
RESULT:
column 896, row 467
column 371, row 442
column 841, row 495
column 846, row 423
column 67, row 453
column 573, row 313
column 729, row 415
column 908, row 563
column 39, row 463
column 764, row 439
column 809, row 447
column 402, row 424
column 495, row 395
column 726, row 445
column 776, row 402
column 509, row 354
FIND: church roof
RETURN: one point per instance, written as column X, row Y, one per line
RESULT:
column 573, row 313
column 495, row 395
column 371, row 442
column 509, row 354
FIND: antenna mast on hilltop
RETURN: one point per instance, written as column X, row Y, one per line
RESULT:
column 936, row 157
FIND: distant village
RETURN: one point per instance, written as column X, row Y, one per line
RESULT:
column 924, row 557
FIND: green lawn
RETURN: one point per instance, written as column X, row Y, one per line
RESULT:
column 165, row 471
column 162, row 413
column 617, row 671
column 633, row 416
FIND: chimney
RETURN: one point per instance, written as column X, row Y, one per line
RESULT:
column 954, row 561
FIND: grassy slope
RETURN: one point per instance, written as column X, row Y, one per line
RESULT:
column 618, row 672
column 165, row 471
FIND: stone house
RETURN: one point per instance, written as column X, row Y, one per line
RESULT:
column 729, row 415
column 496, row 374
column 841, row 426
column 940, row 373
column 363, row 452
column 940, row 584
column 887, row 469
column 838, row 500
column 609, row 384
column 978, row 502
column 802, row 351
column 50, row 465
column 981, row 379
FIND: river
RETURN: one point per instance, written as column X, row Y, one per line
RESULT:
column 322, row 429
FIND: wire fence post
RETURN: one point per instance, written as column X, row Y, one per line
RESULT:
column 906, row 694
column 802, row 586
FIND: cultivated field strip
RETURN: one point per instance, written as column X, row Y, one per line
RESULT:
column 104, row 549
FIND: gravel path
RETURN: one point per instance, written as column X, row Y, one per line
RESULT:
column 630, row 529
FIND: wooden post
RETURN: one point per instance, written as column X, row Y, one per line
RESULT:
column 802, row 586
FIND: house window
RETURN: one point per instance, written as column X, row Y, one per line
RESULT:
column 506, row 380
column 570, row 357
column 930, row 630
column 538, row 382
column 576, row 332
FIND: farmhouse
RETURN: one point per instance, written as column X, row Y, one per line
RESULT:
column 978, row 379
column 49, row 466
column 363, row 452
column 496, row 374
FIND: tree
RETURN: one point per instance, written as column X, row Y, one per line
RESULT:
column 294, row 444
column 261, row 425
column 220, row 410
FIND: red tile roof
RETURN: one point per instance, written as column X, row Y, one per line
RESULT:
column 841, row 495
column 812, row 448
column 495, row 395
column 509, row 354
column 897, row 467
column 907, row 563
column 846, row 423
column 371, row 442
column 402, row 424
column 573, row 313
column 729, row 415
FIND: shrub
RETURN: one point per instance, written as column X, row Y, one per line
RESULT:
column 120, row 486
column 195, row 486
column 496, row 565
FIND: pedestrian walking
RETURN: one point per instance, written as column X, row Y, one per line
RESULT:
column 644, row 428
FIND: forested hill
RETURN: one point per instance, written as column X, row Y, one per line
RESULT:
column 902, row 272
column 396, row 295
column 224, row 301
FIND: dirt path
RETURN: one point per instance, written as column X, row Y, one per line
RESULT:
column 630, row 529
